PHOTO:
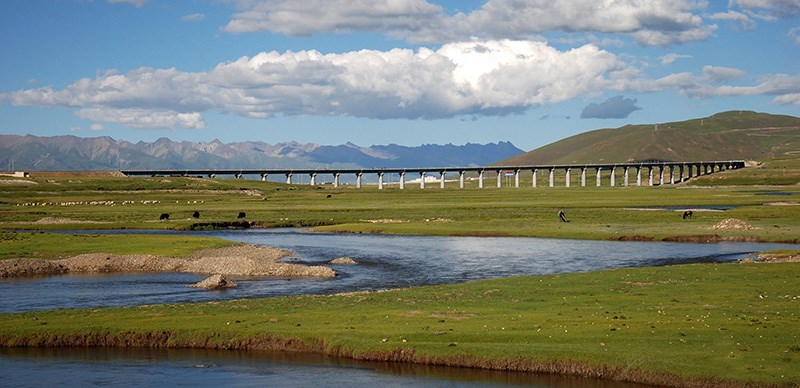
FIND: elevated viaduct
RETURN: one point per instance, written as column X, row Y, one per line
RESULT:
column 657, row 172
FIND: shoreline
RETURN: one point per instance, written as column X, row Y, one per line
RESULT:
column 237, row 260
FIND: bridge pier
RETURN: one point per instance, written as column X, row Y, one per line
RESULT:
column 568, row 176
column 422, row 179
column 597, row 181
column 552, row 180
column 650, row 175
column 358, row 179
column 380, row 181
column 263, row 177
column 516, row 178
column 288, row 178
column 402, row 180
column 499, row 179
column 212, row 176
column 480, row 179
column 441, row 179
column 583, row 176
column 625, row 170
column 336, row 179
column 533, row 176
column 312, row 179
column 461, row 179
column 639, row 176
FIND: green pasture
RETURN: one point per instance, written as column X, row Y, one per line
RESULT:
column 594, row 212
column 707, row 323
column 59, row 246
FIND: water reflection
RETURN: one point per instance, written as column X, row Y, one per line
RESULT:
column 198, row 367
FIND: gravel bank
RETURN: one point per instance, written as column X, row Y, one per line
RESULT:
column 238, row 260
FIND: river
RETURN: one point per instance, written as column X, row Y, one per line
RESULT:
column 384, row 261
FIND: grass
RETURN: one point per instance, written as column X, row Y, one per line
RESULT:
column 595, row 213
column 704, row 324
column 59, row 246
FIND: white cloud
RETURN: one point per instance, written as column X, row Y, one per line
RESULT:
column 135, row 3
column 480, row 77
column 194, row 17
column 770, row 9
column 672, row 57
column 741, row 19
column 617, row 107
column 719, row 73
column 97, row 127
column 650, row 22
column 308, row 17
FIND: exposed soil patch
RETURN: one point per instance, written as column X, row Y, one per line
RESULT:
column 343, row 260
column 768, row 257
column 732, row 224
column 238, row 260
column 55, row 220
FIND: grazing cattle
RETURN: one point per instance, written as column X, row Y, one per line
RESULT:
column 328, row 196
column 561, row 216
column 164, row 216
column 242, row 215
column 687, row 214
column 196, row 214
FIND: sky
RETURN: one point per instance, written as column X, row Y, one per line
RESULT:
column 406, row 72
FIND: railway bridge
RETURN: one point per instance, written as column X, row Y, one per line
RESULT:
column 656, row 173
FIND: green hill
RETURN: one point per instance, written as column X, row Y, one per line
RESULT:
column 728, row 135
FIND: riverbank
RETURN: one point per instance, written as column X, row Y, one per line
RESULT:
column 677, row 326
column 236, row 260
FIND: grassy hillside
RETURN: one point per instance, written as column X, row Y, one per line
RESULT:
column 728, row 135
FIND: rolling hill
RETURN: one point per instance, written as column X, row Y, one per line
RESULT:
column 727, row 135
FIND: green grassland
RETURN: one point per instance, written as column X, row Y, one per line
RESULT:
column 697, row 324
column 692, row 324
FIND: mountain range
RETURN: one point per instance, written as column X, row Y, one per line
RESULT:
column 72, row 153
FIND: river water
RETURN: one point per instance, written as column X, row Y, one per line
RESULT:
column 384, row 261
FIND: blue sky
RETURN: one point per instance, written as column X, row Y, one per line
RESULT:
column 408, row 72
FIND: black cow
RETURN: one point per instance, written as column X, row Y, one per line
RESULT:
column 164, row 216
column 687, row 214
column 242, row 215
column 196, row 214
column 562, row 216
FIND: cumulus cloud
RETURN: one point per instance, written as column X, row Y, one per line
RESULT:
column 739, row 18
column 479, row 77
column 617, row 107
column 650, row 22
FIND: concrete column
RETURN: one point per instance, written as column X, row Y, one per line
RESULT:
column 650, row 175
column 552, row 180
column 568, row 176
column 516, row 178
column 212, row 176
column 534, row 173
column 313, row 179
column 441, row 179
column 358, row 179
column 597, row 172
column 380, row 181
column 671, row 174
column 263, row 177
column 613, row 176
column 461, row 179
column 583, row 176
column 402, row 180
column 288, row 178
column 638, row 175
column 238, row 176
column 480, row 179
column 625, row 170
column 499, row 179
column 336, row 179
column 422, row 179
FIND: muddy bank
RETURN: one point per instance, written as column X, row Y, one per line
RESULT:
column 238, row 260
